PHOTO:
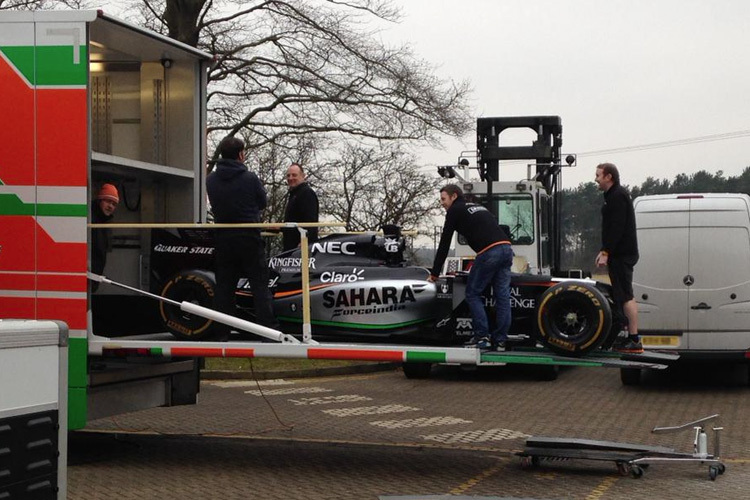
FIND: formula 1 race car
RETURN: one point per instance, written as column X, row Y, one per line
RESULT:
column 362, row 289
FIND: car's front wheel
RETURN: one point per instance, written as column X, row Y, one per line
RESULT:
column 573, row 318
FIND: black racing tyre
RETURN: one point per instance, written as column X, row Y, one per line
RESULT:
column 194, row 286
column 573, row 318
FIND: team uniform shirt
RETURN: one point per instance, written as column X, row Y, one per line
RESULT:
column 619, row 237
column 475, row 223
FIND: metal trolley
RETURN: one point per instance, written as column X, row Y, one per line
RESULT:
column 629, row 458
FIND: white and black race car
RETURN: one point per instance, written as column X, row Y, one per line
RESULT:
column 362, row 289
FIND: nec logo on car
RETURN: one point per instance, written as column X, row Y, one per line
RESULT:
column 345, row 247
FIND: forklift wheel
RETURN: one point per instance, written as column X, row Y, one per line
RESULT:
column 196, row 286
column 417, row 370
column 573, row 318
column 630, row 376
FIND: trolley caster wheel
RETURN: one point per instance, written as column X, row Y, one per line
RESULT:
column 636, row 471
column 713, row 472
column 722, row 469
column 623, row 469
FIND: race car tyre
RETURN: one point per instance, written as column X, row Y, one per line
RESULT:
column 573, row 318
column 195, row 286
column 630, row 376
column 417, row 370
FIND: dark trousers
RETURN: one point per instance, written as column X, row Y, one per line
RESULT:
column 240, row 254
column 491, row 266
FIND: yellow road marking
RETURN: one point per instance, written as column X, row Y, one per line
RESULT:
column 603, row 487
column 476, row 479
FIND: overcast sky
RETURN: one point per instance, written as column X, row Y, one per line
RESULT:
column 619, row 73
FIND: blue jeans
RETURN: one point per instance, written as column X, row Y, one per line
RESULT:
column 492, row 266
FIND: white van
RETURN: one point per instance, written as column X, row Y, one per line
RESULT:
column 692, row 282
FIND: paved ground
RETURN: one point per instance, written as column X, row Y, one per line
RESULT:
column 381, row 435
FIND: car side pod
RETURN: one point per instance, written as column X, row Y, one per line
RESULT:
column 629, row 458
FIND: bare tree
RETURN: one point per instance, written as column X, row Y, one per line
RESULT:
column 43, row 4
column 369, row 187
column 300, row 67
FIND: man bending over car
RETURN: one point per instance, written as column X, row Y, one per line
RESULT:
column 492, row 264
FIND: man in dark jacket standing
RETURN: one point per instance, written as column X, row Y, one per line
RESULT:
column 619, row 251
column 237, row 196
column 492, row 264
column 302, row 206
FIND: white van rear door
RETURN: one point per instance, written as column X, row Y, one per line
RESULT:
column 658, row 287
column 719, row 299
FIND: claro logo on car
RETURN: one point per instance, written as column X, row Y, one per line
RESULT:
column 335, row 277
column 362, row 301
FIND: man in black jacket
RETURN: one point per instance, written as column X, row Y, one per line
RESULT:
column 302, row 206
column 237, row 196
column 492, row 264
column 619, row 251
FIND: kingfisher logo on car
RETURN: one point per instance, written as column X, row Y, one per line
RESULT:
column 289, row 264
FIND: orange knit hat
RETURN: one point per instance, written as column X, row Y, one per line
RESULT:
column 108, row 192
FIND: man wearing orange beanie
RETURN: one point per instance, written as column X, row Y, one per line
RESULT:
column 102, row 210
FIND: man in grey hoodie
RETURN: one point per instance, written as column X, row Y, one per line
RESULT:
column 237, row 196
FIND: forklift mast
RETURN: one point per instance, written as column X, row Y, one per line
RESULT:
column 545, row 152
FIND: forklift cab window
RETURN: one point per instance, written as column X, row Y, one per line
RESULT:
column 513, row 210
column 517, row 212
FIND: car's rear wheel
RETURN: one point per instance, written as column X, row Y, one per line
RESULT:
column 195, row 286
column 573, row 318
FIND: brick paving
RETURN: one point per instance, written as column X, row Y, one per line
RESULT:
column 248, row 441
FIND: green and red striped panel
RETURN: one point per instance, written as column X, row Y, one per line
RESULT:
column 44, row 155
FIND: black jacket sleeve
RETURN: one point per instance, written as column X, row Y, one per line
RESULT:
column 445, row 242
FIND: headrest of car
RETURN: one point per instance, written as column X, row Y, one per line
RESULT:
column 391, row 230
